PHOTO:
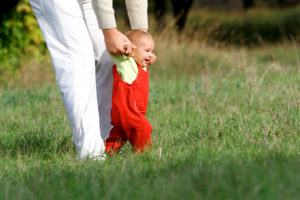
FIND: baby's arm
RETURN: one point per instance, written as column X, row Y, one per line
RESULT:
column 152, row 59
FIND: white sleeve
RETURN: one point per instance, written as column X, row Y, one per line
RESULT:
column 95, row 33
column 105, row 13
column 137, row 12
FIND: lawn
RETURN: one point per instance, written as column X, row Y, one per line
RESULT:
column 226, row 124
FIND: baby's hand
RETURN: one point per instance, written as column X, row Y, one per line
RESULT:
column 152, row 59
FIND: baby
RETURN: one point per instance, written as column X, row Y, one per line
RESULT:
column 130, row 97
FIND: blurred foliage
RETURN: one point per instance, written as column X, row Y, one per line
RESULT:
column 19, row 35
column 255, row 27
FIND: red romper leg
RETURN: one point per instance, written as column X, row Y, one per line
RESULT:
column 117, row 138
column 115, row 141
column 140, row 132
column 140, row 137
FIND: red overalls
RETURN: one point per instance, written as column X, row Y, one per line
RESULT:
column 128, row 113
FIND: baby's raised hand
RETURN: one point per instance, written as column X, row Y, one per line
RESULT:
column 152, row 59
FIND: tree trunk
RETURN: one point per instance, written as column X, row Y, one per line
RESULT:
column 248, row 4
column 7, row 7
column 180, row 11
column 159, row 12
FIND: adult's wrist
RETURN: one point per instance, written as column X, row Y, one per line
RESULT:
column 109, row 31
column 143, row 29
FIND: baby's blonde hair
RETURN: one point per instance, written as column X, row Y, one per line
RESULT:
column 136, row 35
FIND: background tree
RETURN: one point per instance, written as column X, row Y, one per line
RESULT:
column 248, row 4
column 7, row 7
column 159, row 12
column 180, row 12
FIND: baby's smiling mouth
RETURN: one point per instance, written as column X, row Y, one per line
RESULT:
column 147, row 59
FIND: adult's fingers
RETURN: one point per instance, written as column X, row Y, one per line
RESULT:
column 119, row 50
column 129, row 48
column 114, row 41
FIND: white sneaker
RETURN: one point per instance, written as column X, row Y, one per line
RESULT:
column 101, row 157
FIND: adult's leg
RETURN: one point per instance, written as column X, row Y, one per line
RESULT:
column 104, row 77
column 72, row 54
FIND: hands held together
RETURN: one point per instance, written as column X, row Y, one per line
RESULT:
column 118, row 44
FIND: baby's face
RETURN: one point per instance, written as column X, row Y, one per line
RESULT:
column 144, row 51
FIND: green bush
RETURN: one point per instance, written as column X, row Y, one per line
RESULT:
column 19, row 35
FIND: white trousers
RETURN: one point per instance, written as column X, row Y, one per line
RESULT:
column 74, row 41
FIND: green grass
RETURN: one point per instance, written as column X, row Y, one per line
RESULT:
column 225, row 126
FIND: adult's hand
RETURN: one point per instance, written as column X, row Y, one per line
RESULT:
column 117, row 43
